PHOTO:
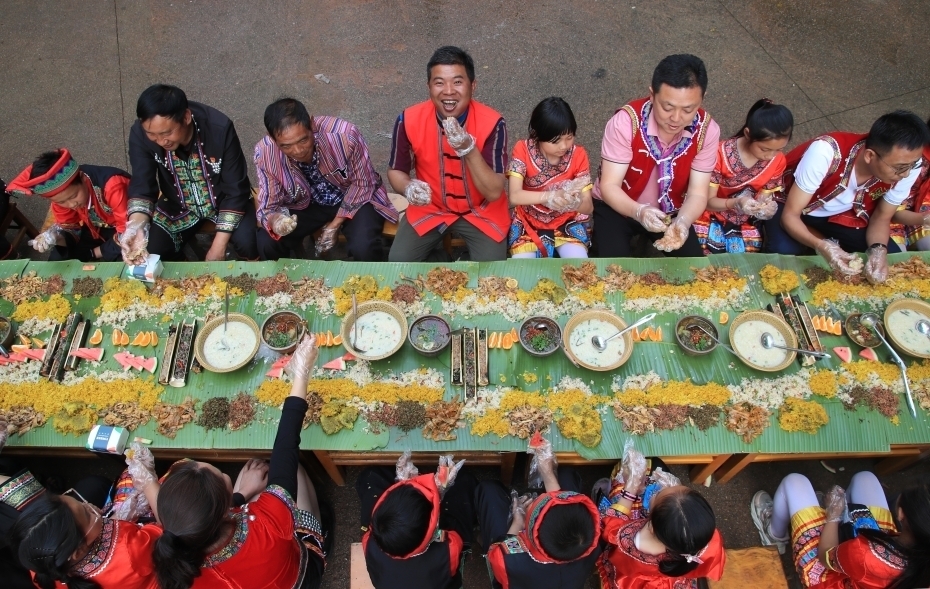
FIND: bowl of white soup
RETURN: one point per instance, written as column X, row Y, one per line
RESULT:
column 901, row 319
column 220, row 350
column 746, row 340
column 576, row 340
column 382, row 329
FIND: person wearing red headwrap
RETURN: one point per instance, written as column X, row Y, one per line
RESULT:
column 88, row 204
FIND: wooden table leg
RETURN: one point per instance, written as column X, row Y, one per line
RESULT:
column 507, row 462
column 700, row 472
column 894, row 464
column 733, row 466
column 337, row 473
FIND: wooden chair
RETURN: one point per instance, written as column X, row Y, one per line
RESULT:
column 17, row 221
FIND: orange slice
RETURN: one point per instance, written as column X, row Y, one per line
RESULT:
column 492, row 339
column 508, row 341
column 514, row 336
column 657, row 334
column 96, row 338
column 837, row 328
column 154, row 338
column 146, row 338
column 123, row 338
column 39, row 344
column 724, row 317
column 634, row 333
column 137, row 339
column 24, row 340
column 337, row 340
column 329, row 338
column 646, row 334
column 19, row 348
column 817, row 322
column 829, row 325
column 116, row 337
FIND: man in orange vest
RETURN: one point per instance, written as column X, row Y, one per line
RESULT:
column 657, row 156
column 458, row 149
column 842, row 191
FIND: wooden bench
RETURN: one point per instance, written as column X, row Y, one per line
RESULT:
column 15, row 220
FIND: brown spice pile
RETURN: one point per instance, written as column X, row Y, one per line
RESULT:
column 527, row 420
column 87, row 287
column 912, row 269
column 215, row 413
column 128, row 415
column 671, row 417
column 19, row 289
column 714, row 274
column 816, row 275
column 747, row 421
column 636, row 420
column 243, row 282
column 273, row 285
column 405, row 293
column 171, row 418
column 192, row 285
column 381, row 418
column 704, row 417
column 579, row 277
column 445, row 281
column 314, row 409
column 410, row 415
column 495, row 287
column 877, row 398
column 241, row 411
column 652, row 279
column 22, row 419
column 442, row 417
column 618, row 279
column 308, row 290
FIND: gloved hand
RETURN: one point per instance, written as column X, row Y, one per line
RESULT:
column 283, row 222
column 304, row 358
column 664, row 479
column 632, row 469
column 405, row 469
column 926, row 222
column 446, row 473
column 327, row 239
column 460, row 140
column 418, row 193
column 835, row 502
column 141, row 465
column 560, row 200
column 518, row 506
column 768, row 207
column 876, row 267
column 47, row 239
column 675, row 236
column 651, row 218
column 837, row 258
column 543, row 465
column 135, row 241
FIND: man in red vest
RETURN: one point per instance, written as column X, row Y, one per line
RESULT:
column 657, row 156
column 842, row 190
column 458, row 149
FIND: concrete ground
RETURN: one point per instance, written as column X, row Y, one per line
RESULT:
column 71, row 73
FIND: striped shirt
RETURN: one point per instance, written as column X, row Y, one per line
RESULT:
column 343, row 161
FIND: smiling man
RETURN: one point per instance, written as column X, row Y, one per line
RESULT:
column 88, row 204
column 844, row 188
column 187, row 168
column 657, row 156
column 458, row 149
column 313, row 173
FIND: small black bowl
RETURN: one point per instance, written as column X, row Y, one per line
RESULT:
column 436, row 332
column 689, row 323
column 555, row 335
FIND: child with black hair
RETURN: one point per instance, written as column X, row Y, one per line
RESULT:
column 659, row 533
column 552, row 541
column 417, row 529
column 749, row 173
column 550, row 187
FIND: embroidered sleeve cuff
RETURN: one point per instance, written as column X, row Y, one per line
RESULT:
column 140, row 205
column 227, row 221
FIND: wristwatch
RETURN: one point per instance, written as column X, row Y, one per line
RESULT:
column 875, row 246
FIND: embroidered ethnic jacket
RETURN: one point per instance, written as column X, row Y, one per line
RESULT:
column 640, row 170
column 434, row 564
column 106, row 208
column 846, row 147
column 155, row 184
column 455, row 195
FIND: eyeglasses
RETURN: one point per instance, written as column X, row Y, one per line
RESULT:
column 73, row 493
column 901, row 169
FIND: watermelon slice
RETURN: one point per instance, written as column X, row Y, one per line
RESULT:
column 337, row 364
column 537, row 440
column 348, row 357
column 92, row 354
column 18, row 357
column 869, row 354
column 136, row 362
column 281, row 362
column 149, row 363
column 843, row 352
column 4, row 361
column 34, row 354
column 275, row 372
column 122, row 359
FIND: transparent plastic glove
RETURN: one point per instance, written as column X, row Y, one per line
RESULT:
column 747, row 205
column 131, row 508
column 460, row 140
column 557, row 200
column 632, row 469
column 767, row 206
column 876, row 267
column 304, row 358
column 675, row 236
column 838, row 259
column 518, row 506
column 835, row 504
column 283, row 222
column 141, row 465
column 405, row 469
column 135, row 241
column 926, row 222
column 418, row 193
column 446, row 473
column 651, row 218
column 543, row 464
column 327, row 240
column 47, row 239
column 664, row 479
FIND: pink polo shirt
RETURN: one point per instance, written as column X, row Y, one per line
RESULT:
column 617, row 147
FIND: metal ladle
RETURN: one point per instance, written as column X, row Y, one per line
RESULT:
column 600, row 343
column 923, row 326
column 768, row 342
column 355, row 342
column 871, row 321
column 719, row 343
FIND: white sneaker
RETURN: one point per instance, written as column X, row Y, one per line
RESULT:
column 761, row 510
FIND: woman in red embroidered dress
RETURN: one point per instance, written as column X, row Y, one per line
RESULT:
column 274, row 542
column 873, row 549
column 749, row 172
column 550, row 187
column 659, row 534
